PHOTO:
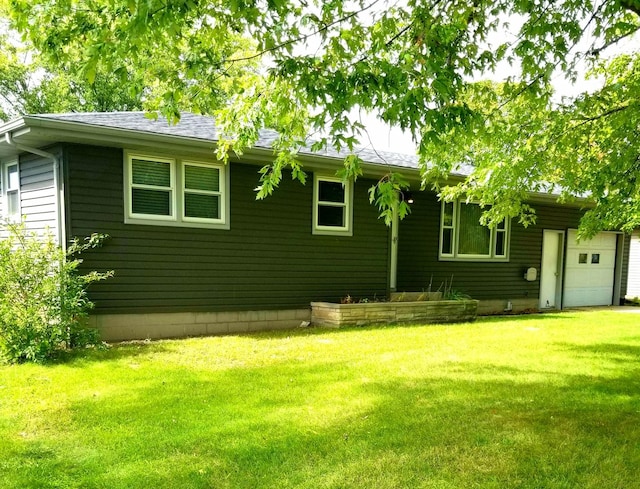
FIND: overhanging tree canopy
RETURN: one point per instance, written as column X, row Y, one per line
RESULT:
column 414, row 64
column 30, row 85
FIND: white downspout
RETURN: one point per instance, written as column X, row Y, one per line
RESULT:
column 393, row 266
column 61, row 231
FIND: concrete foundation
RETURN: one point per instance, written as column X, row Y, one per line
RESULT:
column 120, row 327
column 501, row 306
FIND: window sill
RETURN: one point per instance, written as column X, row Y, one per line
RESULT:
column 332, row 232
column 474, row 259
column 181, row 224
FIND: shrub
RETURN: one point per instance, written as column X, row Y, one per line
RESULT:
column 43, row 299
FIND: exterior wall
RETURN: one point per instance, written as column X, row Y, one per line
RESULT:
column 494, row 283
column 269, row 259
column 38, row 193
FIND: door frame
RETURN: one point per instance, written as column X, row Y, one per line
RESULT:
column 618, row 270
column 559, row 267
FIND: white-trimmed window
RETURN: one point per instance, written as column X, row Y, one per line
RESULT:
column 203, row 199
column 152, row 187
column 462, row 237
column 11, row 190
column 175, row 192
column 332, row 206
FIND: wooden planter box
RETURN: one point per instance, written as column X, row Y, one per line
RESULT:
column 439, row 311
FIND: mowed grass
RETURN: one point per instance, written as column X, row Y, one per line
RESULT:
column 550, row 401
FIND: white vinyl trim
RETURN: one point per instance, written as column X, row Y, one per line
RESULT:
column 171, row 190
column 219, row 193
column 454, row 254
column 346, row 206
column 177, row 193
column 9, row 189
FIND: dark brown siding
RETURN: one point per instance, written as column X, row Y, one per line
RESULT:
column 418, row 263
column 267, row 260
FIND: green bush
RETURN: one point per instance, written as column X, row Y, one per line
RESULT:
column 43, row 299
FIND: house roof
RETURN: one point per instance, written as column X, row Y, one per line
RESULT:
column 193, row 134
column 40, row 129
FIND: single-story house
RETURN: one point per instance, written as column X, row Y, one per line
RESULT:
column 194, row 252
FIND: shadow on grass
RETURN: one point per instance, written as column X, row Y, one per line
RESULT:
column 111, row 352
column 613, row 352
column 332, row 424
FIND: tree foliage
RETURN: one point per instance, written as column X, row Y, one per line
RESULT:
column 55, row 77
column 414, row 64
column 29, row 85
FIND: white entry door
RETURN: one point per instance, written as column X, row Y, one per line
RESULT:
column 551, row 271
column 589, row 270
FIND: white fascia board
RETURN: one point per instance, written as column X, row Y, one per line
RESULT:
column 12, row 125
column 69, row 131
column 327, row 164
column 16, row 126
column 124, row 140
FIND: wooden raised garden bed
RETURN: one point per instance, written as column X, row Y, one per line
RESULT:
column 394, row 311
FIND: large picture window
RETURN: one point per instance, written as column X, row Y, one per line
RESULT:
column 332, row 212
column 462, row 237
column 175, row 192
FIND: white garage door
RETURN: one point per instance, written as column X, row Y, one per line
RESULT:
column 589, row 270
column 633, row 280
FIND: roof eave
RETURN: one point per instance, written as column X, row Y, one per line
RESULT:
column 71, row 131
column 34, row 128
column 29, row 129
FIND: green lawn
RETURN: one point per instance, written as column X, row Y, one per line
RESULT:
column 548, row 401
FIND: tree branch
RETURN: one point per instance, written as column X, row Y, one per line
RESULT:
column 597, row 51
column 398, row 34
column 302, row 38
column 607, row 113
column 587, row 120
column 393, row 38
column 555, row 65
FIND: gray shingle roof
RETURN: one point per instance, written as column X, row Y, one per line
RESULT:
column 203, row 127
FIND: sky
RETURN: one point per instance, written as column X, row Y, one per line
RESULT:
column 386, row 138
